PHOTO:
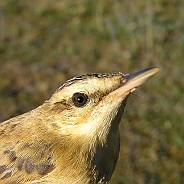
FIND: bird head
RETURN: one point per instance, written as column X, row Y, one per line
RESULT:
column 90, row 105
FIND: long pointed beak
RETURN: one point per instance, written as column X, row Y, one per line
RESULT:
column 132, row 81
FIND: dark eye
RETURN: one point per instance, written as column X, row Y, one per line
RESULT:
column 79, row 99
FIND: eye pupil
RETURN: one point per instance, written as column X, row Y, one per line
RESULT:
column 79, row 99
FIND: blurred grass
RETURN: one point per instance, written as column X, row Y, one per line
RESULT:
column 43, row 43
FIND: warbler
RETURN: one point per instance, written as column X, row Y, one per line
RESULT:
column 72, row 138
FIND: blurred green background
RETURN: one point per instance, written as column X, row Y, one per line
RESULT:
column 45, row 42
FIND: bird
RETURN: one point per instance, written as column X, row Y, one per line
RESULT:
column 72, row 138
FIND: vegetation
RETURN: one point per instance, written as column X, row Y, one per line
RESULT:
column 45, row 42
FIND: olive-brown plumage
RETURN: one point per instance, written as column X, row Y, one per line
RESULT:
column 73, row 137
